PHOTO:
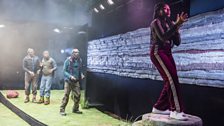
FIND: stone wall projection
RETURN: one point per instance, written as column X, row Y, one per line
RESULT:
column 199, row 59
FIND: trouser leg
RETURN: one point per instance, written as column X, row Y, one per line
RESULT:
column 34, row 85
column 65, row 99
column 42, row 86
column 170, row 95
column 27, row 84
column 76, row 94
column 48, row 86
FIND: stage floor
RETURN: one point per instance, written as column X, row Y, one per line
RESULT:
column 50, row 114
column 8, row 118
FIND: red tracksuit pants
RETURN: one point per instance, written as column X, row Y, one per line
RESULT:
column 170, row 97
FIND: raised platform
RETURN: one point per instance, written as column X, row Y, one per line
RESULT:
column 151, row 119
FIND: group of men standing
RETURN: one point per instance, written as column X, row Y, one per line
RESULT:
column 35, row 68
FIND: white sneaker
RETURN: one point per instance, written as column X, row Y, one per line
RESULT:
column 156, row 111
column 178, row 116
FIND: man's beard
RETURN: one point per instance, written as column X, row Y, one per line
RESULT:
column 46, row 58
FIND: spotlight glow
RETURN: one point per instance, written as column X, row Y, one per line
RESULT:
column 62, row 51
column 102, row 7
column 96, row 10
column 2, row 25
column 110, row 2
column 57, row 30
column 81, row 32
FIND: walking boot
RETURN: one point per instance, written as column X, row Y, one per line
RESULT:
column 34, row 99
column 47, row 101
column 77, row 111
column 41, row 100
column 62, row 112
column 27, row 99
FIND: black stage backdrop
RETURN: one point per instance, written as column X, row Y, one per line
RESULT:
column 130, row 98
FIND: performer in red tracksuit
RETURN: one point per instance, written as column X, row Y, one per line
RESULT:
column 164, row 35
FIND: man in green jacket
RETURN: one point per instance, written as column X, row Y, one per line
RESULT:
column 73, row 75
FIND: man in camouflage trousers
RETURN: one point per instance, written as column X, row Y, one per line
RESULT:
column 73, row 75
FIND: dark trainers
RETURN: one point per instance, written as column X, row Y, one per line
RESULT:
column 77, row 112
column 62, row 112
column 27, row 99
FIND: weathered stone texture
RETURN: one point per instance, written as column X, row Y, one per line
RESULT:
column 199, row 59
